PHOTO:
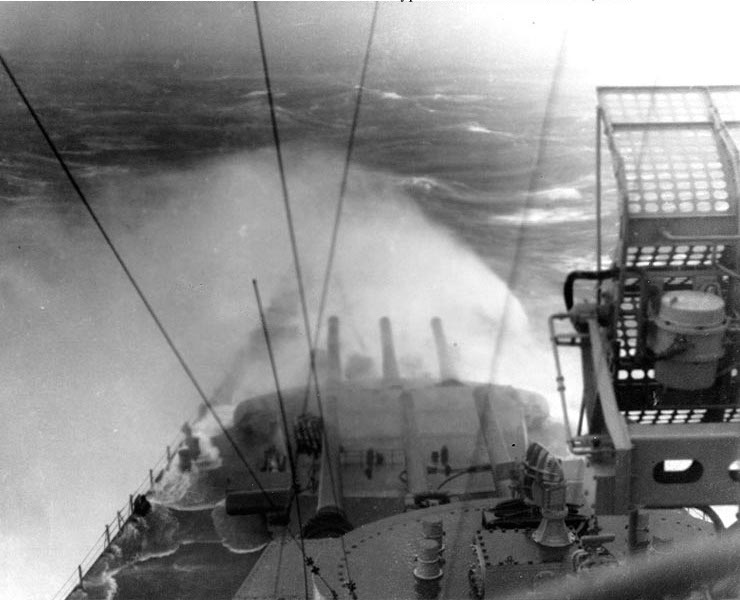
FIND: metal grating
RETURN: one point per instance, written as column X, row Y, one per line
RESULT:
column 727, row 103
column 673, row 172
column 681, row 256
column 665, row 416
column 668, row 416
column 632, row 284
column 627, row 330
column 734, row 131
column 643, row 376
column 655, row 106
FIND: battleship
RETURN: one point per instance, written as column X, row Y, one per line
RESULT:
column 439, row 487
column 399, row 498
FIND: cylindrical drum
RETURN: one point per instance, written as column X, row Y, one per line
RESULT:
column 688, row 340
column 433, row 529
column 427, row 560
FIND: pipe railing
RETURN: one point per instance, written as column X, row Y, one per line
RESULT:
column 114, row 527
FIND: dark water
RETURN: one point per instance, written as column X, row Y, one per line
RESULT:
column 473, row 149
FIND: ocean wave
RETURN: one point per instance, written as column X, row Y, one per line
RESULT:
column 188, row 490
column 545, row 216
column 177, row 567
column 140, row 539
column 559, row 193
column 184, row 484
column 240, row 534
column 238, row 550
column 477, row 128
column 263, row 93
column 426, row 189
column 384, row 94
column 173, row 486
column 426, row 184
column 230, row 77
column 586, row 262
column 93, row 148
column 458, row 98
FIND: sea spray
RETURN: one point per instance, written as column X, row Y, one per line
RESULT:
column 216, row 227
column 142, row 537
column 195, row 239
column 184, row 484
column 241, row 534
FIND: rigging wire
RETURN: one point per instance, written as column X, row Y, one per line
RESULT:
column 132, row 280
column 330, row 262
column 350, row 585
column 288, row 444
column 307, row 561
column 512, row 279
column 284, row 185
column 170, row 343
column 342, row 189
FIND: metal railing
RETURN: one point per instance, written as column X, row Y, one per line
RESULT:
column 114, row 527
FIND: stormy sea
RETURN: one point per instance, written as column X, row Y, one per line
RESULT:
column 469, row 197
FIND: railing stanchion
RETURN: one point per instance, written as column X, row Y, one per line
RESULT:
column 121, row 517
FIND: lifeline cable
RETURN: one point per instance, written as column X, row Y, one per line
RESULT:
column 307, row 560
column 343, row 188
column 289, row 445
column 332, row 251
column 283, row 183
column 131, row 279
column 350, row 585
column 518, row 248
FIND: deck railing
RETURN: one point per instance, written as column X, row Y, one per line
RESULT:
column 114, row 527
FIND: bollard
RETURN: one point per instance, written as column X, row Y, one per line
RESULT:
column 428, row 560
column 433, row 529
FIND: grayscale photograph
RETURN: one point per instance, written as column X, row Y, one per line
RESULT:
column 354, row 300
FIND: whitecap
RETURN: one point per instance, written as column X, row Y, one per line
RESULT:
column 476, row 128
column 260, row 93
column 426, row 183
column 459, row 98
column 559, row 193
column 545, row 216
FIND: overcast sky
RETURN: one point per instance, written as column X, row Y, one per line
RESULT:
column 421, row 31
